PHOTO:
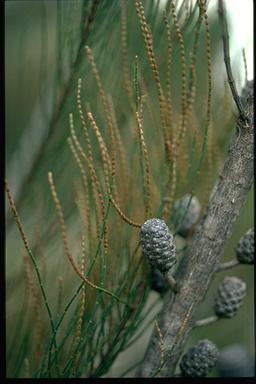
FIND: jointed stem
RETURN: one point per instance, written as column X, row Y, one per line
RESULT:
column 25, row 241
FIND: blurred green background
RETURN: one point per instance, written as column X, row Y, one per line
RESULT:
column 42, row 40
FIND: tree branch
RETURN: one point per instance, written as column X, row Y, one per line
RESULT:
column 225, row 38
column 206, row 321
column 227, row 265
column 198, row 265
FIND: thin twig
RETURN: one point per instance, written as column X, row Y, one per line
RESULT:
column 227, row 265
column 206, row 321
column 225, row 39
column 171, row 282
column 66, row 246
column 245, row 65
column 25, row 242
column 122, row 215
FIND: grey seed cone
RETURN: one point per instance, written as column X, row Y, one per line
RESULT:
column 186, row 212
column 245, row 248
column 235, row 361
column 158, row 244
column 230, row 295
column 200, row 359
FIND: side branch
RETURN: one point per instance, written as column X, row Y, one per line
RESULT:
column 225, row 38
column 197, row 267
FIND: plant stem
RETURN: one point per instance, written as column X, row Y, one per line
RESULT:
column 206, row 321
column 227, row 265
column 25, row 241
column 171, row 282
column 225, row 38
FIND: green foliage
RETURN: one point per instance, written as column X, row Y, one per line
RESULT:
column 137, row 142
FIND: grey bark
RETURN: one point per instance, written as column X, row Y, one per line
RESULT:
column 206, row 321
column 197, row 268
column 227, row 265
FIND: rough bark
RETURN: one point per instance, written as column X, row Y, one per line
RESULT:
column 197, row 268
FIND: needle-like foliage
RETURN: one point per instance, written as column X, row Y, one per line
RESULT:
column 124, row 121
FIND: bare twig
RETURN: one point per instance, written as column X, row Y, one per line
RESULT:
column 245, row 65
column 206, row 321
column 171, row 282
column 227, row 265
column 225, row 38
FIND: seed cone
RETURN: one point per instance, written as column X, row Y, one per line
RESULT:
column 186, row 212
column 200, row 359
column 230, row 295
column 245, row 248
column 235, row 361
column 158, row 244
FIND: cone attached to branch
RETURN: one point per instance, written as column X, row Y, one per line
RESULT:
column 230, row 295
column 235, row 361
column 158, row 246
column 186, row 212
column 245, row 248
column 200, row 359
